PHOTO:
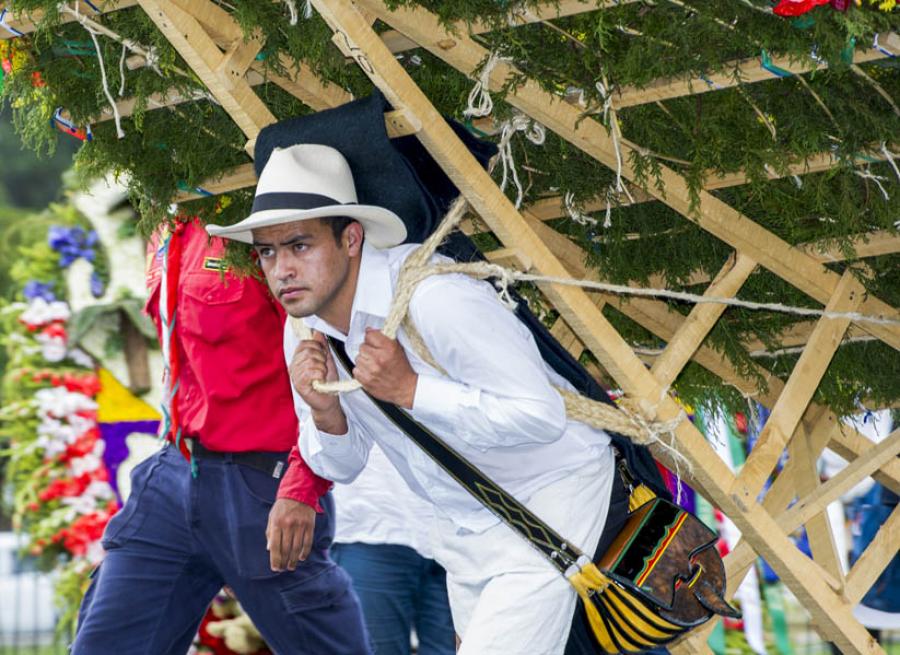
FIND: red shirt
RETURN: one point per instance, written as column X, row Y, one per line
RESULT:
column 233, row 392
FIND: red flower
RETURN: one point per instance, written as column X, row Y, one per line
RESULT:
column 797, row 7
column 85, row 530
column 86, row 383
column 82, row 446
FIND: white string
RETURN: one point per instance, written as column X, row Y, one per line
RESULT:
column 611, row 120
column 508, row 276
column 292, row 7
column 480, row 102
column 576, row 214
column 122, row 71
column 115, row 110
column 890, row 158
column 308, row 9
column 877, row 179
column 534, row 132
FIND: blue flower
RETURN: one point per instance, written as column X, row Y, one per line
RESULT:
column 35, row 289
column 97, row 286
column 72, row 243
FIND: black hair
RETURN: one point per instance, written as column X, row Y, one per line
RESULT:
column 338, row 224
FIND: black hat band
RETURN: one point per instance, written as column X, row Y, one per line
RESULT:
column 298, row 201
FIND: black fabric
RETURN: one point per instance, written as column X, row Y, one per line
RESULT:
column 301, row 201
column 400, row 175
column 270, row 463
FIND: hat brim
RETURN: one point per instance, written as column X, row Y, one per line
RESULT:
column 383, row 228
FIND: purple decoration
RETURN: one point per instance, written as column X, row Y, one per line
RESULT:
column 72, row 243
column 35, row 289
column 116, row 450
column 97, row 286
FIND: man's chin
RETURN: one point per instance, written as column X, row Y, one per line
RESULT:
column 296, row 310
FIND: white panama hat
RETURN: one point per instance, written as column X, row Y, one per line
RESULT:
column 311, row 181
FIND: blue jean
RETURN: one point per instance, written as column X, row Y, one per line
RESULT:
column 179, row 539
column 399, row 589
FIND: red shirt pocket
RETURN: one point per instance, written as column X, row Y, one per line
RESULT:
column 210, row 307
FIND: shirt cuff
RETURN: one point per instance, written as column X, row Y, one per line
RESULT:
column 301, row 484
column 336, row 445
column 437, row 399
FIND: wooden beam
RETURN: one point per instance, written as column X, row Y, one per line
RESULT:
column 805, row 578
column 199, row 50
column 713, row 215
column 878, row 554
column 26, row 22
column 306, row 86
column 693, row 330
column 801, row 386
column 743, row 71
column 555, row 206
column 818, row 526
column 523, row 15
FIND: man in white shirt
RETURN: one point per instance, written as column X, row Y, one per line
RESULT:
column 334, row 264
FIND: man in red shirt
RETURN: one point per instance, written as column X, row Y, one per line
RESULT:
column 228, row 500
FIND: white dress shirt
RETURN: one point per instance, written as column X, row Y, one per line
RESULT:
column 378, row 507
column 496, row 405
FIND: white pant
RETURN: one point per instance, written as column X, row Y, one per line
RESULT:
column 506, row 598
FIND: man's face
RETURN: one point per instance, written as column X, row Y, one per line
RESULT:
column 305, row 266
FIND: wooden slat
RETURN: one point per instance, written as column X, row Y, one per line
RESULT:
column 818, row 526
column 693, row 330
column 555, row 207
column 199, row 50
column 306, row 86
column 27, row 23
column 877, row 555
column 801, row 386
column 747, row 71
column 397, row 42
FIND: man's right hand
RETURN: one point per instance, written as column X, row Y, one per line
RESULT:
column 312, row 362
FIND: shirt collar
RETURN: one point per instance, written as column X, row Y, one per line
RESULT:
column 374, row 292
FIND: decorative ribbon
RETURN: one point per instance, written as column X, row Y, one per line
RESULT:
column 766, row 62
column 69, row 127
column 171, row 249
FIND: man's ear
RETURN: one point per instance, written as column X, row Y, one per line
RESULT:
column 353, row 238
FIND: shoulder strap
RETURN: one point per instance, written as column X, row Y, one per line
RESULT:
column 509, row 510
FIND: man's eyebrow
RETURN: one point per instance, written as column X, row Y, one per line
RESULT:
column 294, row 239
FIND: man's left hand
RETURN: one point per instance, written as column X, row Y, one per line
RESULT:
column 384, row 371
column 289, row 534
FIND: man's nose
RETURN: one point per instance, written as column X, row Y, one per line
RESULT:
column 283, row 269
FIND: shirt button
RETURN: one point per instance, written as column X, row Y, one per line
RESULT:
column 209, row 296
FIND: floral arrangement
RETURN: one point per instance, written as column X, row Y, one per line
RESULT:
column 62, row 496
column 65, row 420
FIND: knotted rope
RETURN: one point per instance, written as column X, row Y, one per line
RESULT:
column 534, row 132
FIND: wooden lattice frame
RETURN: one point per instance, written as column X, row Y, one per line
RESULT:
column 213, row 46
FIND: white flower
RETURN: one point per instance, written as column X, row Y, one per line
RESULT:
column 53, row 349
column 40, row 312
